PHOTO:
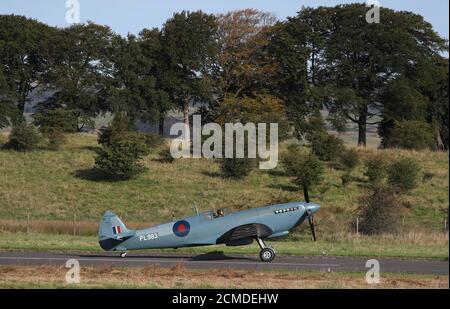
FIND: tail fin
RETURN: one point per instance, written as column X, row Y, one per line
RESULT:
column 112, row 232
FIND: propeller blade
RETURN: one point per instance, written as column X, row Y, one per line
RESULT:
column 305, row 193
column 311, row 224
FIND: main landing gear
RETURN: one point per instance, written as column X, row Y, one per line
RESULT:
column 267, row 254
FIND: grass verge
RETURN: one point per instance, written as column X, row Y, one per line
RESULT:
column 406, row 246
column 180, row 277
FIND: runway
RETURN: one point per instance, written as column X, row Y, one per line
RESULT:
column 217, row 260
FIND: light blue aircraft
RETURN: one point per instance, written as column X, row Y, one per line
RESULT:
column 210, row 228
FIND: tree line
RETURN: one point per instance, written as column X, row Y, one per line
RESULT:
column 391, row 74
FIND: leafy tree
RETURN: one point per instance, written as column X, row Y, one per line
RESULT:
column 404, row 174
column 24, row 58
column 412, row 134
column 152, row 48
column 62, row 119
column 378, row 53
column 189, row 41
column 298, row 46
column 80, row 72
column 349, row 158
column 134, row 87
column 261, row 108
column 244, row 65
column 237, row 167
column 8, row 110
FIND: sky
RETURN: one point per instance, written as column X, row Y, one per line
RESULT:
column 125, row 16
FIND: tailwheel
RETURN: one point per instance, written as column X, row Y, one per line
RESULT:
column 123, row 254
column 267, row 254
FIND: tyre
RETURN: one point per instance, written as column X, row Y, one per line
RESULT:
column 267, row 255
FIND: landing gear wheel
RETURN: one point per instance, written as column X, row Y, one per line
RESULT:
column 267, row 255
column 123, row 254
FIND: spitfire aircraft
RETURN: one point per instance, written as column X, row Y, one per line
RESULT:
column 211, row 228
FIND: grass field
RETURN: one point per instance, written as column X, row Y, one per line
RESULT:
column 182, row 278
column 56, row 186
column 408, row 246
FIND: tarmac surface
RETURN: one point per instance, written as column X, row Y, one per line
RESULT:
column 217, row 260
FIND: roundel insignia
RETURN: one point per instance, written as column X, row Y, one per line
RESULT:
column 181, row 228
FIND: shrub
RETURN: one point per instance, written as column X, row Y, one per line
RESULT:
column 404, row 173
column 153, row 140
column 326, row 147
column 307, row 170
column 376, row 169
column 237, row 168
column 61, row 119
column 377, row 211
column 55, row 137
column 165, row 156
column 346, row 178
column 23, row 137
column 412, row 135
column 349, row 159
column 290, row 158
column 120, row 159
column 118, row 129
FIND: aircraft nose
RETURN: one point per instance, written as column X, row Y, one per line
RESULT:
column 313, row 207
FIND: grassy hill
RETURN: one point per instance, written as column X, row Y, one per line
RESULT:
column 55, row 185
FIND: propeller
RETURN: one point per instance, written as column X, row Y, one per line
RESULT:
column 311, row 224
column 305, row 193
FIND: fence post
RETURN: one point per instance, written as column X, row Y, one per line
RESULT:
column 28, row 221
column 73, row 224
column 357, row 226
column 445, row 226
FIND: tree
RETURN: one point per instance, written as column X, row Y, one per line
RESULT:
column 359, row 68
column 404, row 173
column 134, row 88
column 24, row 58
column 8, row 110
column 297, row 46
column 80, row 72
column 401, row 102
column 189, row 40
column 411, row 134
column 261, row 108
column 23, row 137
column 151, row 45
column 244, row 65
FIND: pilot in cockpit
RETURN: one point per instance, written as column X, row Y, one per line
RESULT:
column 220, row 213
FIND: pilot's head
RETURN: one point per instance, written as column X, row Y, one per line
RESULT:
column 220, row 213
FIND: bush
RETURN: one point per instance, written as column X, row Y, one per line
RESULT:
column 307, row 170
column 165, row 156
column 377, row 211
column 376, row 169
column 120, row 160
column 118, row 129
column 55, row 137
column 416, row 135
column 61, row 119
column 349, row 159
column 290, row 158
column 346, row 178
column 23, row 137
column 237, row 168
column 153, row 140
column 404, row 173
column 326, row 147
